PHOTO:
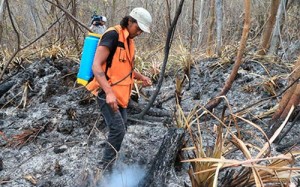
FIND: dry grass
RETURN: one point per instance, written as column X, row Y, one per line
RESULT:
column 150, row 62
column 29, row 55
column 198, row 150
column 256, row 165
column 228, row 57
column 58, row 50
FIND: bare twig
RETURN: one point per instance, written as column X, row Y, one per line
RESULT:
column 70, row 15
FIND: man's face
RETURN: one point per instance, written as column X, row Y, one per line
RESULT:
column 133, row 29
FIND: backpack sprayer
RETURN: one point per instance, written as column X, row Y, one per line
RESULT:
column 85, row 73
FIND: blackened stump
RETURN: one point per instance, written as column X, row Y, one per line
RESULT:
column 164, row 159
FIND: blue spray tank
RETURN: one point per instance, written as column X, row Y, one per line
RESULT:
column 85, row 73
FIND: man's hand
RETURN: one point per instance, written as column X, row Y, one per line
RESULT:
column 146, row 81
column 111, row 100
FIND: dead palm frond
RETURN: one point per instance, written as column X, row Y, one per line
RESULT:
column 275, row 172
column 26, row 136
column 255, row 168
column 210, row 177
column 197, row 150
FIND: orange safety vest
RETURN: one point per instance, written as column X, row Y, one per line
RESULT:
column 120, row 73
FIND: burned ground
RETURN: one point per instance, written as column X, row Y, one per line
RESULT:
column 53, row 133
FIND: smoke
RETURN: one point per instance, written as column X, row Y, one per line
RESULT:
column 123, row 176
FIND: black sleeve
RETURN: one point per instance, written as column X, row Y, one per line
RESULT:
column 110, row 40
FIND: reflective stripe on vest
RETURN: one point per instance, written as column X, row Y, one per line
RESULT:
column 120, row 73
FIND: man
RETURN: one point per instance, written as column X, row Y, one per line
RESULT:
column 113, row 70
column 98, row 24
column 103, row 22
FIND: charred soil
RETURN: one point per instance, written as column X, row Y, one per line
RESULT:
column 52, row 132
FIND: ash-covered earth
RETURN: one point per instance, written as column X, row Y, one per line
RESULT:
column 52, row 132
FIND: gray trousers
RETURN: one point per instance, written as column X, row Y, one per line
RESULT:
column 116, row 123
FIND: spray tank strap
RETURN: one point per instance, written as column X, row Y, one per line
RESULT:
column 108, row 63
column 129, row 74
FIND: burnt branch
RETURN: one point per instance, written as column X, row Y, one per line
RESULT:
column 167, row 50
column 216, row 101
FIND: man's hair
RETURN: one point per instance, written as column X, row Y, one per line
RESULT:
column 124, row 21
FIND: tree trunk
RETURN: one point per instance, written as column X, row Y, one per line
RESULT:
column 284, row 102
column 277, row 29
column 294, row 101
column 266, row 35
column 168, row 14
column 219, row 23
column 33, row 13
column 75, row 31
column 113, row 12
column 200, row 20
column 164, row 159
column 290, row 98
column 2, row 8
column 209, row 50
column 213, row 103
column 128, row 3
column 192, row 26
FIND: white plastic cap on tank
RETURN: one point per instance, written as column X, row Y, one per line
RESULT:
column 142, row 17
